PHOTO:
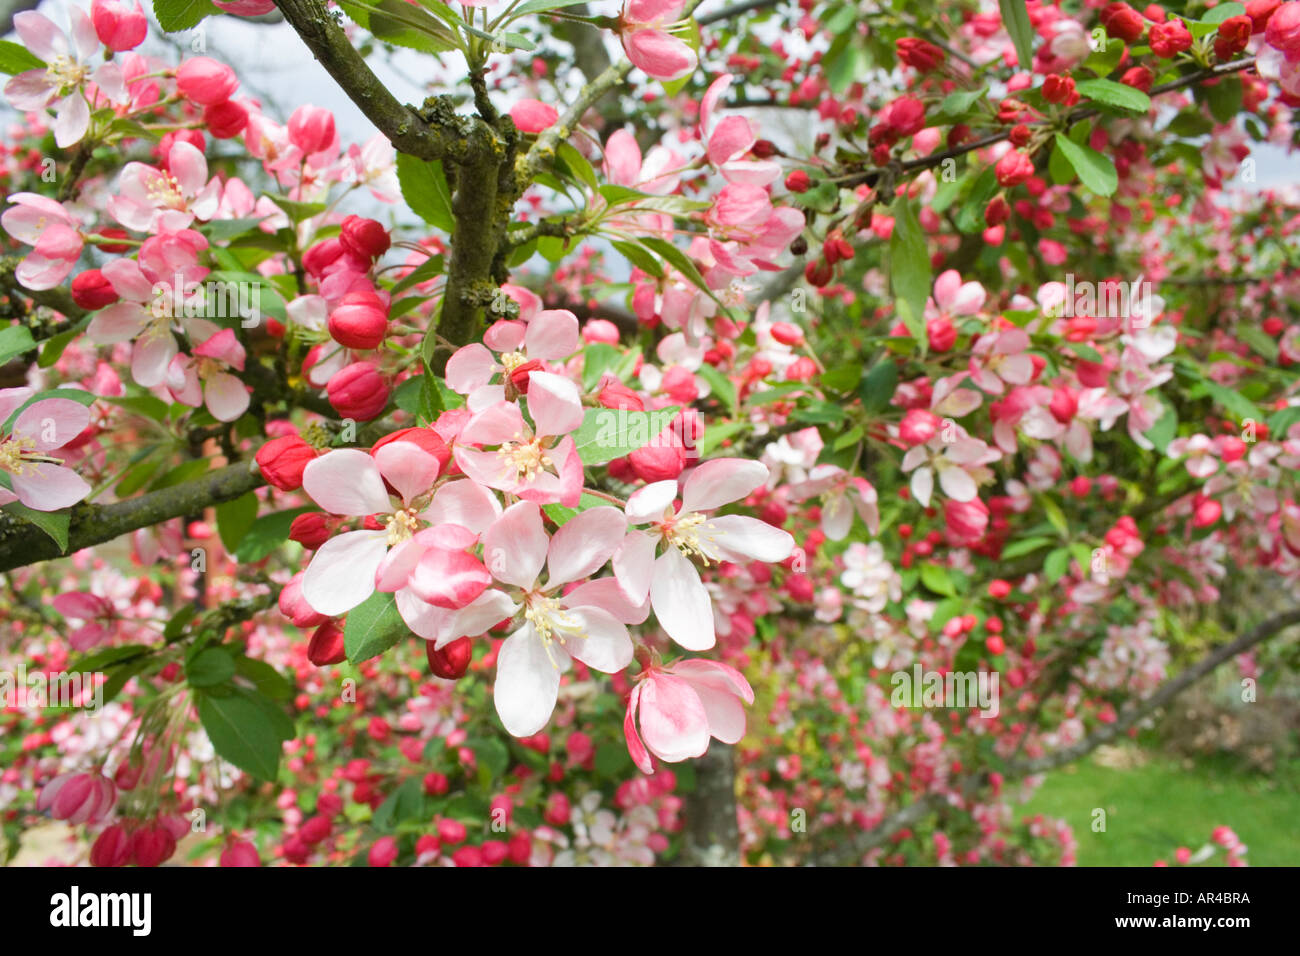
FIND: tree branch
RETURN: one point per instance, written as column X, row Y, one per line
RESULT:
column 22, row 543
column 406, row 130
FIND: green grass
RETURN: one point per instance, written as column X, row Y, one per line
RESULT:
column 1164, row 804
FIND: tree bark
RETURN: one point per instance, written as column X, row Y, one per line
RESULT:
column 712, row 834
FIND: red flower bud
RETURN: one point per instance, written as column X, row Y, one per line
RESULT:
column 311, row 129
column 359, row 321
column 225, row 120
column 1260, row 11
column 1014, row 168
column 919, row 54
column 240, row 853
column 326, row 645
column 112, row 847
column 1058, row 89
column 614, row 394
column 1138, row 77
column 310, row 530
column 941, row 333
column 152, row 844
column 1234, row 34
column 92, row 291
column 204, row 81
column 798, row 181
column 1122, row 22
column 364, row 238
column 1020, row 135
column 919, row 425
column 358, row 392
column 119, row 26
column 786, row 333
column 451, row 662
column 997, row 211
column 1170, row 39
column 282, row 461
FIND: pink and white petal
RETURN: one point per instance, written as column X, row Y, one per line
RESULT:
column 837, row 517
column 606, row 594
column 922, row 486
column 584, row 543
column 422, row 618
column 395, row 570
column 622, row 158
column 488, row 610
column 120, row 322
column 346, row 481
column 514, row 548
column 486, row 468
column 71, row 120
column 85, row 39
column 80, row 605
column 464, row 503
column 554, row 403
column 635, row 748
column 28, row 92
column 739, row 538
column 725, row 712
column 650, row 503
column 151, row 359
column 226, row 397
column 957, row 484
column 732, row 137
column 342, row 572
column 408, row 468
column 725, row 678
column 40, row 35
column 189, row 167
column 552, row 334
column 674, row 724
column 505, row 335
column 46, row 487
column 722, row 481
column 659, row 54
column 128, row 281
column 603, row 643
column 52, row 422
column 493, row 425
column 634, row 565
column 12, row 399
column 470, row 367
column 527, row 683
column 681, row 603
column 449, row 579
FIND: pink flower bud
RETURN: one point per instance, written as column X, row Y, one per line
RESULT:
column 152, row 844
column 283, row 460
column 1014, row 168
column 311, row 129
column 240, row 853
column 118, row 26
column 359, row 321
column 358, row 392
column 92, row 291
column 919, row 425
column 364, row 238
column 600, row 330
column 203, row 80
column 78, row 797
column 1283, row 31
column 226, row 120
column 383, row 852
column 310, row 530
column 112, row 847
column 295, row 607
column 533, row 116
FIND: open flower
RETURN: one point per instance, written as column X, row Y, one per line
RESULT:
column 549, row 335
column 62, row 81
column 98, row 617
column 38, row 478
column 842, row 494
column 203, row 379
column 154, row 200
column 677, row 595
column 528, row 463
column 555, row 626
column 960, row 465
column 681, row 707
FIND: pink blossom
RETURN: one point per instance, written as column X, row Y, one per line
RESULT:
column 643, row 28
column 680, row 707
column 151, row 200
column 54, row 233
column 204, row 380
column 678, row 596
column 36, row 477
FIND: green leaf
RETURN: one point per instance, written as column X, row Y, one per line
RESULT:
column 178, row 621
column 266, row 534
column 1225, row 98
column 424, row 187
column 937, row 579
column 909, row 268
column 431, row 268
column 1163, row 431
column 174, row 15
column 17, row 59
column 639, row 257
column 541, row 6
column 1235, row 403
column 247, row 730
column 721, row 387
column 224, row 229
column 1115, row 94
column 971, row 217
column 843, row 378
column 1015, row 17
column 15, row 341
column 265, row 678
column 53, row 523
column 612, row 761
column 879, row 385
column 1056, row 564
column 609, row 433
column 53, row 347
column 296, row 210
column 1095, row 171
column 403, row 804
column 395, row 21
column 678, row 260
column 372, row 627
column 209, row 668
column 1055, row 516
column 1024, row 546
column 234, row 518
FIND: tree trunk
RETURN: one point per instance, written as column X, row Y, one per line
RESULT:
column 712, row 834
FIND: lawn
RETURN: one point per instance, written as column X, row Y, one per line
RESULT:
column 1156, row 803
